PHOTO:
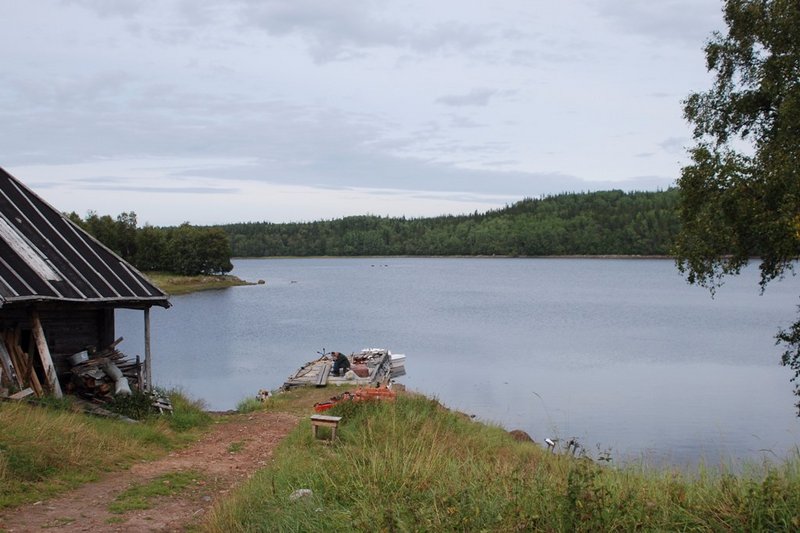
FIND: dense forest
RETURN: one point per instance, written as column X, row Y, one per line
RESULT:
column 186, row 249
column 598, row 223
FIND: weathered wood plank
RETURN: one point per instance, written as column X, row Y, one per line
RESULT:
column 322, row 378
column 21, row 394
column 44, row 355
column 8, row 366
column 148, row 365
column 15, row 342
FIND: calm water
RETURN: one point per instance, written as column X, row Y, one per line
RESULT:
column 622, row 354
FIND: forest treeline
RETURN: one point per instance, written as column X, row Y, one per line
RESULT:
column 597, row 223
column 185, row 249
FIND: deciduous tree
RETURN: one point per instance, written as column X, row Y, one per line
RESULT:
column 740, row 197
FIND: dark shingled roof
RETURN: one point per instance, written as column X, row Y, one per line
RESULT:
column 44, row 257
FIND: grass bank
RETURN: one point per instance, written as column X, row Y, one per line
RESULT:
column 47, row 450
column 175, row 284
column 414, row 466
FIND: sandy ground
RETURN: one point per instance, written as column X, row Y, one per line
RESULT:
column 254, row 438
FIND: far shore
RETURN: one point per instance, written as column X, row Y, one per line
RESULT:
column 605, row 256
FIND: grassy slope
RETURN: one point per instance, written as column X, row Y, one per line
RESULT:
column 413, row 466
column 404, row 466
column 47, row 451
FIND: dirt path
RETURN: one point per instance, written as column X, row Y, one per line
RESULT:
column 227, row 455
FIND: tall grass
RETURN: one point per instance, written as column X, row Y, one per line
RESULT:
column 45, row 450
column 413, row 466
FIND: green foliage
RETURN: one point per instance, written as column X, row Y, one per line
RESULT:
column 249, row 405
column 187, row 250
column 137, row 405
column 610, row 222
column 192, row 250
column 741, row 196
column 187, row 414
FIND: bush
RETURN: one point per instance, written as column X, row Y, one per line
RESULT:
column 138, row 405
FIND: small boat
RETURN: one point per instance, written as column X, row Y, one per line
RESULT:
column 371, row 367
column 398, row 360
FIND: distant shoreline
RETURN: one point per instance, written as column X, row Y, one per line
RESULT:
column 605, row 256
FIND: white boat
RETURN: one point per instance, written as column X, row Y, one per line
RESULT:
column 398, row 360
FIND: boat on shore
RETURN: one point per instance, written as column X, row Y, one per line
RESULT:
column 370, row 367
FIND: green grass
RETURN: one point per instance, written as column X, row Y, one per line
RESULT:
column 142, row 496
column 235, row 447
column 414, row 466
column 176, row 284
column 300, row 400
column 187, row 414
column 45, row 451
column 249, row 405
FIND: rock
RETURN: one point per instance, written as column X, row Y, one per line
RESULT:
column 300, row 493
column 520, row 436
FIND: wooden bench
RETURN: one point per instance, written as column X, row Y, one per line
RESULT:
column 325, row 421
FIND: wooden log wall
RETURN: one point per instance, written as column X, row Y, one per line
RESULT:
column 68, row 330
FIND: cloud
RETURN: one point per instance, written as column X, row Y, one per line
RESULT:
column 103, row 8
column 674, row 145
column 332, row 31
column 684, row 22
column 106, row 184
column 476, row 97
column 344, row 30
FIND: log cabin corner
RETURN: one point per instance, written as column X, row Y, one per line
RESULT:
column 59, row 288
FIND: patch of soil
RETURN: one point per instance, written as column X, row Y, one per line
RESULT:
column 231, row 452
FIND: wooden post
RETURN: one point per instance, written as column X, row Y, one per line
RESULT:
column 139, row 379
column 148, row 369
column 44, row 354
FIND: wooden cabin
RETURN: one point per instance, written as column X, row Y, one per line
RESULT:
column 59, row 288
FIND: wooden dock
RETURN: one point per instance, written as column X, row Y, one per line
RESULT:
column 375, row 365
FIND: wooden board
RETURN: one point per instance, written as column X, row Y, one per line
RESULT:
column 8, row 366
column 322, row 379
column 44, row 354
column 21, row 394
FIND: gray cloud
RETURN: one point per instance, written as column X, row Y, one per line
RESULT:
column 674, row 145
column 333, row 31
column 338, row 31
column 445, row 98
column 476, row 97
column 159, row 190
column 117, row 8
column 685, row 22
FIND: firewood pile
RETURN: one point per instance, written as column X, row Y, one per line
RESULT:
column 101, row 375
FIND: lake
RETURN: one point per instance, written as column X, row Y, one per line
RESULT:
column 621, row 354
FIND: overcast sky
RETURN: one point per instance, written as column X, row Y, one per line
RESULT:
column 213, row 111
